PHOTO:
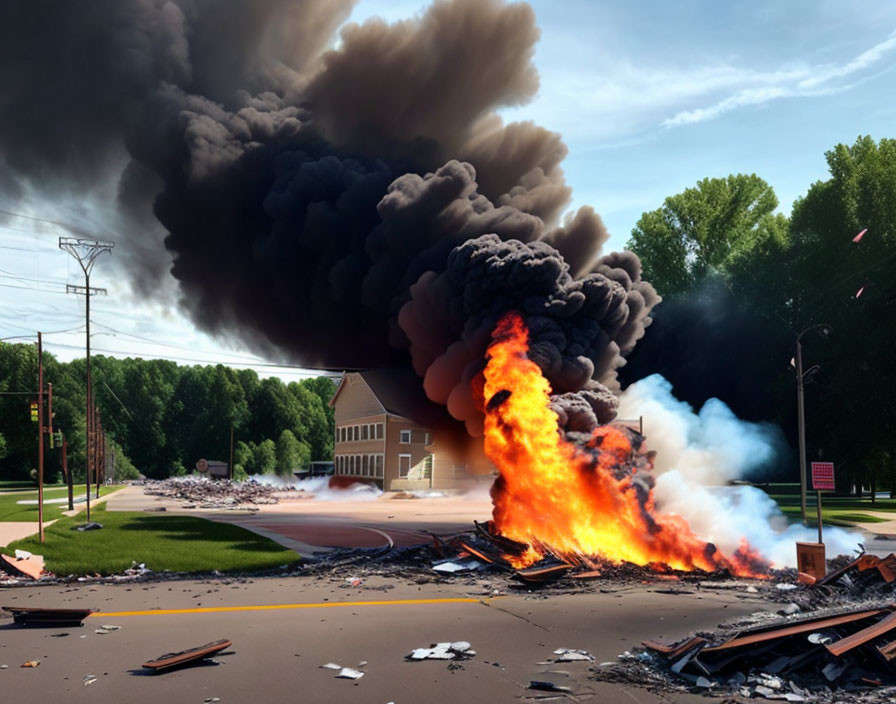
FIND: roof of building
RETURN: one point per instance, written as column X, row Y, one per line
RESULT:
column 400, row 391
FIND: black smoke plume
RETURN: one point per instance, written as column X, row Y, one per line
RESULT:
column 357, row 206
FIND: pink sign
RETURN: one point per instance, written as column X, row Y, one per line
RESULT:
column 823, row 476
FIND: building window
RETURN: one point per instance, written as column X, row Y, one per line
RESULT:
column 356, row 432
column 426, row 439
column 379, row 466
column 364, row 432
column 405, row 438
column 379, row 431
column 365, row 465
column 404, row 465
column 357, row 465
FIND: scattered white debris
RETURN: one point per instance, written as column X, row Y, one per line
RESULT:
column 785, row 586
column 443, row 651
column 453, row 566
column 89, row 680
column 348, row 673
column 22, row 554
column 331, row 666
column 572, row 655
column 106, row 629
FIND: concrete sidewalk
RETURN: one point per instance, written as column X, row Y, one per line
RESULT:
column 10, row 531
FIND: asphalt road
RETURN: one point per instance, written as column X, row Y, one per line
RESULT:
column 277, row 652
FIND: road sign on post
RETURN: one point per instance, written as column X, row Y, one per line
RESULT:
column 822, row 480
column 823, row 476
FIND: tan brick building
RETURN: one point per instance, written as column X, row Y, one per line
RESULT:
column 382, row 433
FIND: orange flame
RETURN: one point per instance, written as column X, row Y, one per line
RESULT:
column 556, row 495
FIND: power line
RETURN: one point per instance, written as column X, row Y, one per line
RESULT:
column 32, row 288
column 64, row 225
column 291, row 369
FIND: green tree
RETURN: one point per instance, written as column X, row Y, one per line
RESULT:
column 291, row 454
column 705, row 230
column 264, row 459
column 851, row 414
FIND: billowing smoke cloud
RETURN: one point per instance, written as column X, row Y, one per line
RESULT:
column 356, row 206
column 697, row 454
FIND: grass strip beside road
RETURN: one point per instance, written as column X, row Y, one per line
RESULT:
column 163, row 543
column 11, row 510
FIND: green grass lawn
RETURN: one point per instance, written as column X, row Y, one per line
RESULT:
column 10, row 510
column 164, row 543
column 836, row 510
column 8, row 485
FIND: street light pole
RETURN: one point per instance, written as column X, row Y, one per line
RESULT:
column 824, row 330
column 801, row 422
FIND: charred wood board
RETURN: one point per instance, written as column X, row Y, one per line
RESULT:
column 47, row 617
column 171, row 660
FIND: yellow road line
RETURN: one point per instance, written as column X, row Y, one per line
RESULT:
column 274, row 607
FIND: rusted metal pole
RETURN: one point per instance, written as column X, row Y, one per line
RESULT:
column 68, row 475
column 40, row 436
column 97, row 438
column 818, row 494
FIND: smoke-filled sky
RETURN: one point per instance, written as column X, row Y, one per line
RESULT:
column 647, row 100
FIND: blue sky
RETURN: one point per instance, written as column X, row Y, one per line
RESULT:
column 649, row 96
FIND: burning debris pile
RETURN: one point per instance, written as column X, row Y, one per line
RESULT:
column 221, row 494
column 811, row 658
column 574, row 489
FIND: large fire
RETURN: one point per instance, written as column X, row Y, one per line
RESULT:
column 576, row 501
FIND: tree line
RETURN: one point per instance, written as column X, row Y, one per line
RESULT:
column 160, row 418
column 741, row 281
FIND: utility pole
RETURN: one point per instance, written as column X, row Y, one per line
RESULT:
column 86, row 252
column 97, row 440
column 40, row 436
column 230, row 465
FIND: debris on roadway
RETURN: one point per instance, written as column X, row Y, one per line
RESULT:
column 572, row 655
column 31, row 616
column 459, row 650
column 192, row 656
column 102, row 630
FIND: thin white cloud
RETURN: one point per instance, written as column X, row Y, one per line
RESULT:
column 814, row 81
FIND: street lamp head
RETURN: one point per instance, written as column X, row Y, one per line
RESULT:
column 825, row 330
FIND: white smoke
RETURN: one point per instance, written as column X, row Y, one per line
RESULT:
column 699, row 453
